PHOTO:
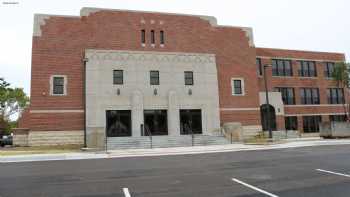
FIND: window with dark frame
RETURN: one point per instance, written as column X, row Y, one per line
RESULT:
column 162, row 38
column 237, row 87
column 154, row 77
column 58, row 86
column 287, row 95
column 335, row 96
column 259, row 66
column 291, row 122
column 309, row 96
column 337, row 118
column 307, row 69
column 328, row 69
column 311, row 123
column 282, row 67
column 118, row 78
column 153, row 38
column 188, row 77
column 143, row 36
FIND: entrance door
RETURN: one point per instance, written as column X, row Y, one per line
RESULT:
column 156, row 122
column 118, row 123
column 190, row 121
column 265, row 120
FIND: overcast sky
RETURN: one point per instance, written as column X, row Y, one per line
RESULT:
column 321, row 25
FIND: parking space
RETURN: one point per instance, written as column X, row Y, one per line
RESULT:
column 313, row 171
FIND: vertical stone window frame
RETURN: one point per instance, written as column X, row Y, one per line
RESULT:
column 237, row 85
column 58, row 85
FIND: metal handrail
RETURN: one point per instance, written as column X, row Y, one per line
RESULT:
column 149, row 135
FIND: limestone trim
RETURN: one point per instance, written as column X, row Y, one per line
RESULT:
column 56, row 111
column 316, row 114
column 119, row 55
column 240, row 109
column 320, row 105
column 296, row 59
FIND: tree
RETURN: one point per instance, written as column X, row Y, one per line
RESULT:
column 12, row 100
column 341, row 75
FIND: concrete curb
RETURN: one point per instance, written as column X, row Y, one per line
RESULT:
column 168, row 151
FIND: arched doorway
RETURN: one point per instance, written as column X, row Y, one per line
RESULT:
column 264, row 117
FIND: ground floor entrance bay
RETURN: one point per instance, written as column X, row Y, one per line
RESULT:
column 119, row 122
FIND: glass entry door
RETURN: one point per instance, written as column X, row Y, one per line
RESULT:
column 118, row 123
column 156, row 122
column 190, row 121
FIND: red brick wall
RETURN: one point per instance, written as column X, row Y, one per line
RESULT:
column 60, row 50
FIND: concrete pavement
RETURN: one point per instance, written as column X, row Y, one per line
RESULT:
column 313, row 171
column 302, row 142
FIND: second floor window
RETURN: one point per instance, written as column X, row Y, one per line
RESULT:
column 335, row 95
column 237, row 87
column 307, row 69
column 162, row 38
column 287, row 95
column 281, row 67
column 118, row 77
column 259, row 66
column 188, row 77
column 154, row 77
column 328, row 69
column 153, row 37
column 309, row 96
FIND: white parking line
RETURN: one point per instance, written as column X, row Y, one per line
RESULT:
column 254, row 188
column 126, row 192
column 336, row 173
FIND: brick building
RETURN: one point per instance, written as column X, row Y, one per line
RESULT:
column 127, row 73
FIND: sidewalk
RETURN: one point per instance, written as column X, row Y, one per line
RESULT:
column 302, row 142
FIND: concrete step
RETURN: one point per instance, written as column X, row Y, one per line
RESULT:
column 164, row 141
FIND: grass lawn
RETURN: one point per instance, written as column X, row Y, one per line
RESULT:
column 39, row 150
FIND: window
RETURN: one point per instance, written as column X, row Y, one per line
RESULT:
column 328, row 69
column 337, row 118
column 118, row 77
column 309, row 96
column 291, row 123
column 335, row 95
column 118, row 123
column 154, row 77
column 143, row 36
column 58, row 85
column 287, row 95
column 188, row 78
column 259, row 66
column 311, row 123
column 307, row 69
column 153, row 41
column 162, row 38
column 282, row 68
column 237, row 87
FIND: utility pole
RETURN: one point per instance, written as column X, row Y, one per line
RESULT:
column 267, row 103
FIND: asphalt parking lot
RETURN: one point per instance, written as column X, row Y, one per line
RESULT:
column 321, row 171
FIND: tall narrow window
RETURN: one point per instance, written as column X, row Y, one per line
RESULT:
column 154, row 77
column 237, row 87
column 259, row 66
column 143, row 36
column 153, row 40
column 118, row 77
column 162, row 38
column 188, row 78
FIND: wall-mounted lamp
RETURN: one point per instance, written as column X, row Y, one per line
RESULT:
column 155, row 92
column 118, row 91
column 189, row 91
